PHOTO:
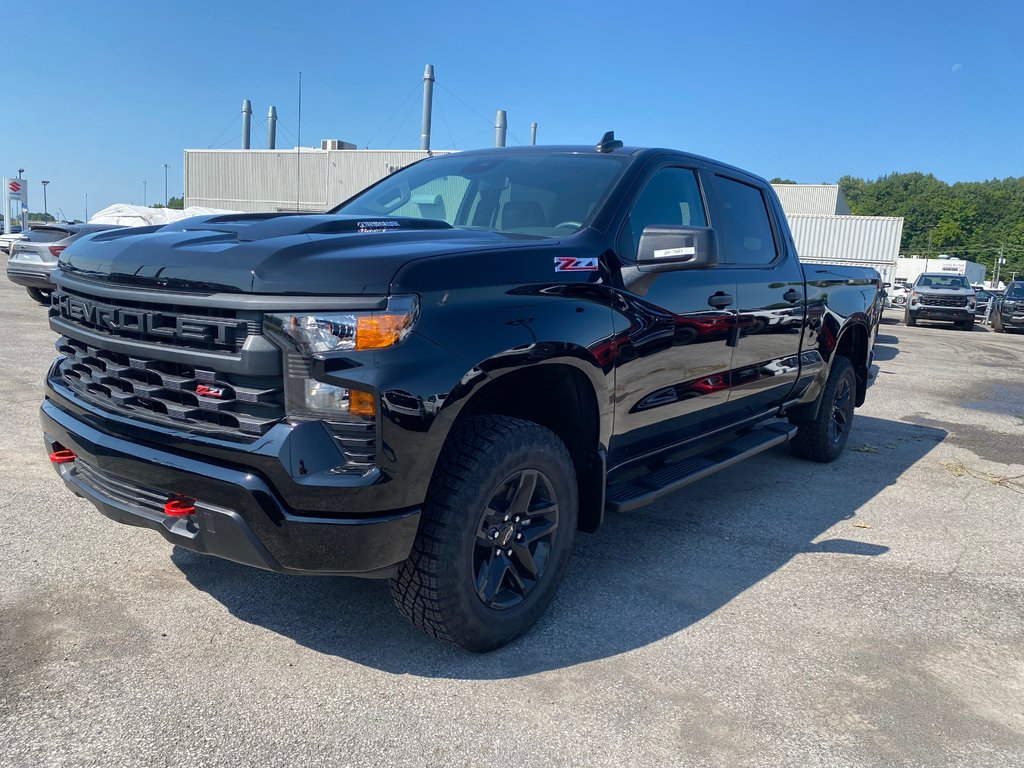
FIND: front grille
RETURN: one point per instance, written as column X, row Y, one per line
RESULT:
column 205, row 328
column 944, row 301
column 174, row 393
column 119, row 489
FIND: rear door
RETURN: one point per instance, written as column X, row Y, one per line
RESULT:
column 672, row 328
column 769, row 295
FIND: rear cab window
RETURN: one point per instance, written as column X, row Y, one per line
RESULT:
column 746, row 224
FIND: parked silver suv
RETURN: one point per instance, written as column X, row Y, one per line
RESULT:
column 941, row 296
column 34, row 257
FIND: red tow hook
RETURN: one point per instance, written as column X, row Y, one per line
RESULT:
column 63, row 456
column 180, row 507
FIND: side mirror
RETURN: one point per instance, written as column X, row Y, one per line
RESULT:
column 665, row 248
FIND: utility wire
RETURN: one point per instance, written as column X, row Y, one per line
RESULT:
column 235, row 120
column 401, row 125
column 392, row 115
column 464, row 103
column 447, row 127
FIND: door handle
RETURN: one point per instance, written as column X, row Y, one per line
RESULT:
column 720, row 300
column 792, row 295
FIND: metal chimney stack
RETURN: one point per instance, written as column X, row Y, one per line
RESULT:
column 428, row 105
column 246, row 122
column 500, row 127
column 533, row 134
column 272, row 128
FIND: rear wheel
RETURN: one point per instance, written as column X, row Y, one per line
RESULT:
column 824, row 438
column 909, row 319
column 42, row 295
column 495, row 534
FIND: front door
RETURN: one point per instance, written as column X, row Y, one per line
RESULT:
column 672, row 329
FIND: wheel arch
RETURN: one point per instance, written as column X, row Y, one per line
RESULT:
column 562, row 395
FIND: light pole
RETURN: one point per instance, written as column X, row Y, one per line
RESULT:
column 46, row 212
column 86, row 207
column 166, row 198
column 24, row 208
column 144, row 183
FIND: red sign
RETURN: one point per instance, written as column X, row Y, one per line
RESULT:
column 15, row 186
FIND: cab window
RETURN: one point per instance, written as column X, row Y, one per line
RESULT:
column 671, row 196
column 745, row 226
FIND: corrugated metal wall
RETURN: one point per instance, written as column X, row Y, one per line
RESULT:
column 869, row 240
column 812, row 199
column 276, row 180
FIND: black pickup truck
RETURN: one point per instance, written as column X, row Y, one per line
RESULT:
column 444, row 378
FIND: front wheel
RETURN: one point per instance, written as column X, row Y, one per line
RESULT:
column 997, row 324
column 909, row 319
column 968, row 324
column 824, row 438
column 42, row 295
column 495, row 534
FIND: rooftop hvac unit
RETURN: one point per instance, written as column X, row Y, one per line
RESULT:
column 336, row 144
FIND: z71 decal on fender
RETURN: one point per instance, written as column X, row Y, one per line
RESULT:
column 572, row 264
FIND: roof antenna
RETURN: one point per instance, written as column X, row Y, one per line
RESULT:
column 608, row 142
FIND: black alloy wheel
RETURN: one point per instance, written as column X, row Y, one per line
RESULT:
column 495, row 535
column 514, row 539
column 824, row 437
column 842, row 413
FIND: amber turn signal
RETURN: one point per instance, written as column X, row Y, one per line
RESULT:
column 381, row 330
column 361, row 403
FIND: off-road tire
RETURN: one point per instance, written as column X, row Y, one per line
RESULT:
column 436, row 587
column 909, row 319
column 42, row 295
column 815, row 439
column 968, row 324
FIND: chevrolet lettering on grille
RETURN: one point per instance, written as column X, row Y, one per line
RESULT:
column 123, row 320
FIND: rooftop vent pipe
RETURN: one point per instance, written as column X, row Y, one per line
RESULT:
column 428, row 105
column 500, row 127
column 272, row 128
column 246, row 122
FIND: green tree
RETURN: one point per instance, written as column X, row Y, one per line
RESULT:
column 971, row 219
column 176, row 203
column 778, row 180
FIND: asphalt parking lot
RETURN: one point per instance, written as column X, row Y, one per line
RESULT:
column 868, row 612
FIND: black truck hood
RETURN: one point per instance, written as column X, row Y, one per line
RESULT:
column 266, row 253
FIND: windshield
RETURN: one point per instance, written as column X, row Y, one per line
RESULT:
column 1015, row 291
column 942, row 281
column 546, row 194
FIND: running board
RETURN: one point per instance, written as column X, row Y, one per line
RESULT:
column 634, row 493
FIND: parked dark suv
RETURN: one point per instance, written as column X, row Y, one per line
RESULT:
column 1008, row 309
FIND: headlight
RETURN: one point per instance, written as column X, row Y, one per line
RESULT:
column 317, row 333
column 305, row 335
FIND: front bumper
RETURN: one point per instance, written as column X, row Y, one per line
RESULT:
column 31, row 274
column 239, row 516
column 1016, row 320
column 955, row 314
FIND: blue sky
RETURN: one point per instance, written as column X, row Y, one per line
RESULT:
column 99, row 95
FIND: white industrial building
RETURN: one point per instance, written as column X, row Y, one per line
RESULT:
column 812, row 199
column 825, row 232
column 307, row 179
